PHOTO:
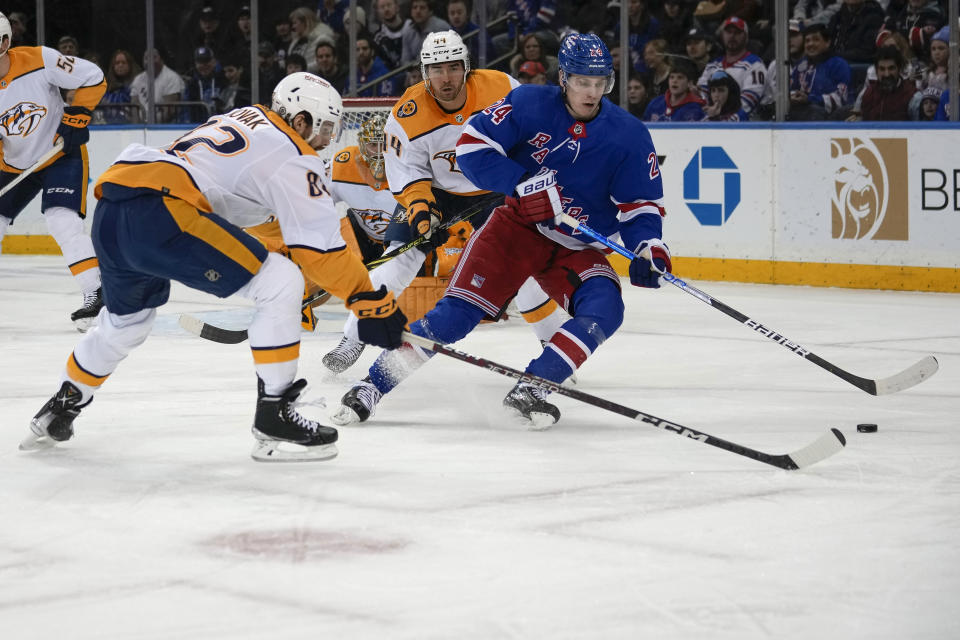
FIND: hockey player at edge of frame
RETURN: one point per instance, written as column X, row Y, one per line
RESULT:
column 34, row 116
column 555, row 148
column 422, row 132
column 176, row 213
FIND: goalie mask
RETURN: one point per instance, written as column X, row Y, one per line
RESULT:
column 584, row 54
column 443, row 46
column 304, row 92
column 5, row 32
column 372, row 142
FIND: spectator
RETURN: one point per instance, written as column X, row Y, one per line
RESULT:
column 389, row 37
column 699, row 48
column 681, row 102
column 369, row 68
column 270, row 73
column 531, row 49
column 326, row 65
column 166, row 88
column 723, row 99
column 944, row 107
column 120, row 74
column 532, row 72
column 916, row 20
column 422, row 23
column 458, row 15
column 240, row 35
column 306, row 33
column 926, row 108
column 654, row 56
column 236, row 92
column 533, row 16
column 204, row 84
column 676, row 22
column 820, row 83
column 854, row 28
column 68, row 46
column 888, row 97
column 912, row 70
column 20, row 36
column 795, row 51
column 936, row 73
column 208, row 33
column 741, row 65
column 294, row 63
column 331, row 13
column 361, row 21
column 638, row 94
column 815, row 11
column 641, row 29
column 282, row 39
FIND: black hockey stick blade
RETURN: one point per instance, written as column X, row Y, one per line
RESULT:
column 214, row 333
column 907, row 378
column 823, row 447
column 198, row 327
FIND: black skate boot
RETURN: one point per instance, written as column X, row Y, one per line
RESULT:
column 54, row 422
column 84, row 316
column 528, row 402
column 344, row 355
column 358, row 404
column 277, row 422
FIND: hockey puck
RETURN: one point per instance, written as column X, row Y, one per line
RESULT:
column 867, row 428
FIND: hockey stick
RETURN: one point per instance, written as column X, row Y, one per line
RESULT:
column 57, row 148
column 907, row 378
column 236, row 336
column 821, row 448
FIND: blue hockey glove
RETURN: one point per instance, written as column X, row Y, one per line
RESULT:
column 381, row 322
column 73, row 128
column 539, row 199
column 642, row 272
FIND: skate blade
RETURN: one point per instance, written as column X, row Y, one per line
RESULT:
column 344, row 416
column 279, row 451
column 536, row 422
column 84, row 324
column 33, row 442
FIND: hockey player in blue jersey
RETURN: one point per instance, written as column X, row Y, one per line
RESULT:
column 553, row 149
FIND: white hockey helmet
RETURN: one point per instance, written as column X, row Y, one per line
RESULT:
column 443, row 46
column 5, row 30
column 304, row 92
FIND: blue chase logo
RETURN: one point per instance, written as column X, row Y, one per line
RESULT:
column 714, row 208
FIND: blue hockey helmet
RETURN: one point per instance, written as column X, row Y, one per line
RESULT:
column 585, row 54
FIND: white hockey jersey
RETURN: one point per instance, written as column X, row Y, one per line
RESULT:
column 422, row 138
column 31, row 106
column 371, row 204
column 244, row 166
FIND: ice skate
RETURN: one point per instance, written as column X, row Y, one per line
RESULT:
column 54, row 422
column 84, row 316
column 283, row 435
column 343, row 356
column 528, row 403
column 358, row 404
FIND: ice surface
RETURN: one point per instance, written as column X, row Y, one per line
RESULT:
column 441, row 520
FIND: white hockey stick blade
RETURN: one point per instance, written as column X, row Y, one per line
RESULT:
column 908, row 377
column 823, row 447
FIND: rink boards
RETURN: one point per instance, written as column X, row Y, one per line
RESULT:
column 841, row 206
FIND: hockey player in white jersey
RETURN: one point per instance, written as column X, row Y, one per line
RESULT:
column 420, row 161
column 176, row 213
column 32, row 118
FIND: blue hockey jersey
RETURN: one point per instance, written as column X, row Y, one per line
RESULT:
column 606, row 168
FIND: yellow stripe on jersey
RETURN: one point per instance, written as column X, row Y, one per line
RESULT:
column 346, row 167
column 339, row 272
column 85, row 157
column 83, row 265
column 190, row 221
column 278, row 122
column 78, row 374
column 274, row 355
column 23, row 60
column 418, row 112
column 165, row 177
column 89, row 97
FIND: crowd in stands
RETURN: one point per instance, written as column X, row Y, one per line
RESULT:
column 691, row 60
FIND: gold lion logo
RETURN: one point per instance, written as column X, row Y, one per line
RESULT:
column 869, row 198
column 22, row 119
